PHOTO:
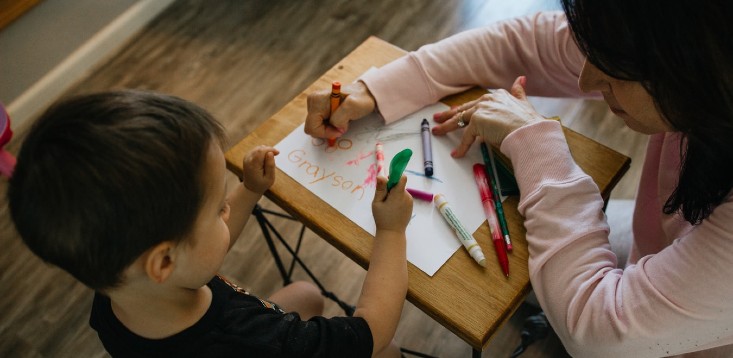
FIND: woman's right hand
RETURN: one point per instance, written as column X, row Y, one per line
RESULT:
column 356, row 102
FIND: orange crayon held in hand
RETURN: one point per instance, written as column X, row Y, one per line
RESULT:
column 335, row 102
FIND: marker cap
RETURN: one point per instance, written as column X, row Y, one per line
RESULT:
column 419, row 194
column 478, row 255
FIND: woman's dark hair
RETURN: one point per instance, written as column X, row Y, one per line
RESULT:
column 682, row 53
column 101, row 178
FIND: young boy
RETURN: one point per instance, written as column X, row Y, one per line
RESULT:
column 127, row 192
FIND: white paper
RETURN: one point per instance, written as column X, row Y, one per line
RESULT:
column 344, row 177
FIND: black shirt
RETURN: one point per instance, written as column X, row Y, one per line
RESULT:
column 238, row 324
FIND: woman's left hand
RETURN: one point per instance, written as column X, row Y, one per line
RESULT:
column 491, row 117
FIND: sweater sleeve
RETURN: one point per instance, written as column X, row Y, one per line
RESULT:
column 539, row 46
column 673, row 302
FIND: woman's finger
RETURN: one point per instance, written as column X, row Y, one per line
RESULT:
column 517, row 89
column 441, row 117
column 459, row 120
column 469, row 136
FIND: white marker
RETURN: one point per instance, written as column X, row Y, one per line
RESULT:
column 463, row 235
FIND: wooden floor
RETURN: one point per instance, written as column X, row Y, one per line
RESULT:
column 243, row 60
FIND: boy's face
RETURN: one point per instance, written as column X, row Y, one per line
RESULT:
column 201, row 254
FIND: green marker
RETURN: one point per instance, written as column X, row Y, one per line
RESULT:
column 397, row 167
column 494, row 184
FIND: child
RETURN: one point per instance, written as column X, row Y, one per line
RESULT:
column 127, row 192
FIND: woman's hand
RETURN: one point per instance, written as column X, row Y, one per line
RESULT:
column 356, row 102
column 491, row 117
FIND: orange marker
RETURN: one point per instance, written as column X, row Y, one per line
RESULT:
column 335, row 102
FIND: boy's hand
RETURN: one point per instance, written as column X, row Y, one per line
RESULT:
column 392, row 210
column 259, row 169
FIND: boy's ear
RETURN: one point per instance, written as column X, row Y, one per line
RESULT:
column 159, row 262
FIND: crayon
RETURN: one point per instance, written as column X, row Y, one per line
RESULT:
column 335, row 102
column 427, row 148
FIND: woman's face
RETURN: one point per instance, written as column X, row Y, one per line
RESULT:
column 627, row 99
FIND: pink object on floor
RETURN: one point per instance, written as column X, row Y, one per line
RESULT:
column 7, row 160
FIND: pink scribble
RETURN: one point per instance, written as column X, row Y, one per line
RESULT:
column 360, row 158
column 371, row 179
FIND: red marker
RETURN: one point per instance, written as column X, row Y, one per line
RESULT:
column 487, row 201
column 335, row 102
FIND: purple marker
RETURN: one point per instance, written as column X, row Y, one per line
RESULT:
column 427, row 147
column 419, row 194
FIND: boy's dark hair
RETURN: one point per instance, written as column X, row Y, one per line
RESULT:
column 101, row 178
column 682, row 53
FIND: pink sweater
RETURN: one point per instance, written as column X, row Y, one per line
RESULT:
column 675, row 295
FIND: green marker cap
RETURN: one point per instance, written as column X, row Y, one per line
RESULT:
column 397, row 167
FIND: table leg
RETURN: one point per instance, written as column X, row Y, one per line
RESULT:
column 268, row 229
column 262, row 220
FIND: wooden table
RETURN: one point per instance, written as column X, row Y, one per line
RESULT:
column 470, row 301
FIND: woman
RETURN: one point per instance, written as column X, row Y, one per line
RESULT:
column 666, row 69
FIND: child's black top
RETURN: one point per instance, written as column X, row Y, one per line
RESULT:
column 238, row 324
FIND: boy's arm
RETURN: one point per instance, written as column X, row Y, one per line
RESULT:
column 258, row 175
column 241, row 203
column 385, row 286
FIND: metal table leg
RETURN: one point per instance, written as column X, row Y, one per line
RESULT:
column 267, row 230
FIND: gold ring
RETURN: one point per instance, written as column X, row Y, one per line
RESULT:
column 461, row 123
